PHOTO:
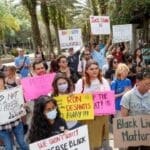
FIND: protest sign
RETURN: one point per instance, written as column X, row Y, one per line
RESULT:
column 104, row 103
column 11, row 105
column 36, row 86
column 100, row 25
column 70, row 38
column 76, row 139
column 122, row 33
column 131, row 131
column 76, row 106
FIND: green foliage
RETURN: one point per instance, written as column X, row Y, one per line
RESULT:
column 7, row 20
column 124, row 12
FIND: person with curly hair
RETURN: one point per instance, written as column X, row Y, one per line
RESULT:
column 46, row 121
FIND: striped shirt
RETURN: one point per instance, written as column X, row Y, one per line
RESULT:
column 10, row 125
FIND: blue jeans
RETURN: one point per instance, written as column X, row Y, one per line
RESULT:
column 6, row 137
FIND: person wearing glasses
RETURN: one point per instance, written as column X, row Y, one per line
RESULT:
column 83, row 61
column 137, row 101
column 110, row 73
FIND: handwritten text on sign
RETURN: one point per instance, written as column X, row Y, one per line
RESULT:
column 104, row 103
column 122, row 33
column 70, row 38
column 76, row 139
column 100, row 25
column 76, row 106
column 11, row 105
column 36, row 86
column 132, row 131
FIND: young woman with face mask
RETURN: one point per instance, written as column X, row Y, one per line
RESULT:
column 90, row 83
column 46, row 121
column 63, row 85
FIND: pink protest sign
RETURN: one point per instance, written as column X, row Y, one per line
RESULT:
column 104, row 103
column 33, row 87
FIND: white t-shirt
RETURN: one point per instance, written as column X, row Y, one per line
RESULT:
column 96, row 86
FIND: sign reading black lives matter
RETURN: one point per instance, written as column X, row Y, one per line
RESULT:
column 11, row 105
column 131, row 131
column 76, row 139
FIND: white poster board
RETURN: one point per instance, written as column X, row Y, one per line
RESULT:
column 100, row 25
column 76, row 139
column 11, row 105
column 122, row 33
column 70, row 38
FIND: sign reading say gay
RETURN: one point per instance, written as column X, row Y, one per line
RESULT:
column 100, row 25
column 76, row 106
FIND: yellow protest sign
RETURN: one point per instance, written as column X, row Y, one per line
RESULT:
column 76, row 106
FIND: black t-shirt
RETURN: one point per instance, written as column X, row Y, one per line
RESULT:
column 58, row 127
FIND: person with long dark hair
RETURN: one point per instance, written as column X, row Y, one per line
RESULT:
column 46, row 121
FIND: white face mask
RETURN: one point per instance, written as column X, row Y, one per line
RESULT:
column 63, row 87
column 51, row 115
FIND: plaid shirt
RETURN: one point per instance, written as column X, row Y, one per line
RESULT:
column 10, row 125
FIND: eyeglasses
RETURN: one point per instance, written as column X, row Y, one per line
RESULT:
column 115, row 62
column 63, row 62
column 87, row 54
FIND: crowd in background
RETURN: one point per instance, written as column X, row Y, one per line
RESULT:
column 97, row 67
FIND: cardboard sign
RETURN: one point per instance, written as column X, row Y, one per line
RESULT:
column 104, row 103
column 122, row 33
column 36, row 86
column 70, row 38
column 76, row 139
column 132, row 131
column 76, row 106
column 11, row 105
column 100, row 25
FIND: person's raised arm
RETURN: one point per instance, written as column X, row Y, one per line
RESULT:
column 108, row 42
column 126, row 48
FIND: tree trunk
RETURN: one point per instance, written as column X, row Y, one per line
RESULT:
column 57, row 39
column 37, row 42
column 45, row 15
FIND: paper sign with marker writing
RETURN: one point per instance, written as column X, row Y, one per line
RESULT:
column 100, row 25
column 122, row 33
column 11, row 105
column 76, row 106
column 76, row 139
column 131, row 131
column 70, row 38
column 104, row 103
column 36, row 86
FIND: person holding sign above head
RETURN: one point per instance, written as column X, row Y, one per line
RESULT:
column 99, row 54
column 46, row 121
column 63, row 85
column 137, row 101
column 15, row 128
column 90, row 83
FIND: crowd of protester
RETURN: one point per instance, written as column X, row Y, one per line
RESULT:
column 96, row 68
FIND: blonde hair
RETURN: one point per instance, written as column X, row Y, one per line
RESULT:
column 121, row 68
